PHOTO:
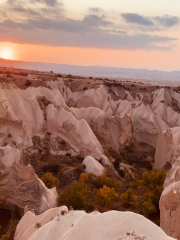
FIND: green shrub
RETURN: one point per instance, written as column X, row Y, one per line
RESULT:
column 105, row 196
column 109, row 182
column 138, row 183
column 75, row 196
column 152, row 197
column 148, row 208
column 5, row 236
column 148, row 196
column 129, row 199
column 86, row 178
column 49, row 180
column 154, row 178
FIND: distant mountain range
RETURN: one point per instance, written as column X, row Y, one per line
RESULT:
column 98, row 71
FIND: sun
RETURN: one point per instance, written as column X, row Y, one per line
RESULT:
column 6, row 53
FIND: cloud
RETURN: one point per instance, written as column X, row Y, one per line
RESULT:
column 94, row 20
column 32, row 8
column 44, row 22
column 50, row 2
column 66, row 25
column 152, row 23
column 167, row 21
column 115, row 31
column 95, row 10
column 137, row 19
column 28, row 11
column 74, row 33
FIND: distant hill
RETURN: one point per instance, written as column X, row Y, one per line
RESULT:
column 98, row 71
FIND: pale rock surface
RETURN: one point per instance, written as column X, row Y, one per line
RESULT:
column 78, row 225
column 30, row 112
column 163, row 106
column 31, row 222
column 76, row 132
column 21, row 116
column 168, row 147
column 168, row 154
column 101, row 117
column 170, row 210
column 35, row 111
column 112, row 132
column 126, row 108
column 128, row 169
column 146, row 124
column 173, row 174
column 93, row 166
column 19, row 184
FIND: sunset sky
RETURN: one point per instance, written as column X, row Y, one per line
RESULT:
column 119, row 33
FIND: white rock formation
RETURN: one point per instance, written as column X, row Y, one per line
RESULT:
column 164, row 106
column 112, row 132
column 168, row 154
column 31, row 222
column 170, row 210
column 76, row 132
column 35, row 111
column 19, row 184
column 105, row 116
column 168, row 147
column 146, row 124
column 97, row 105
column 173, row 174
column 93, row 166
column 78, row 225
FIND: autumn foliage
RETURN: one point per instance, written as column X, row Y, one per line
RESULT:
column 106, row 193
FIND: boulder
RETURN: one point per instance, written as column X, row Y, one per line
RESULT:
column 170, row 210
column 93, row 166
column 78, row 225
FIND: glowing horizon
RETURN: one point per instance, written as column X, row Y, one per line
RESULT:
column 124, row 34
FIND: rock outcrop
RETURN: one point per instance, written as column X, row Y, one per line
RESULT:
column 20, row 186
column 59, row 224
column 170, row 210
column 168, row 147
column 93, row 166
column 168, row 156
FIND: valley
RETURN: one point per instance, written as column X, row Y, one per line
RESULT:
column 106, row 144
